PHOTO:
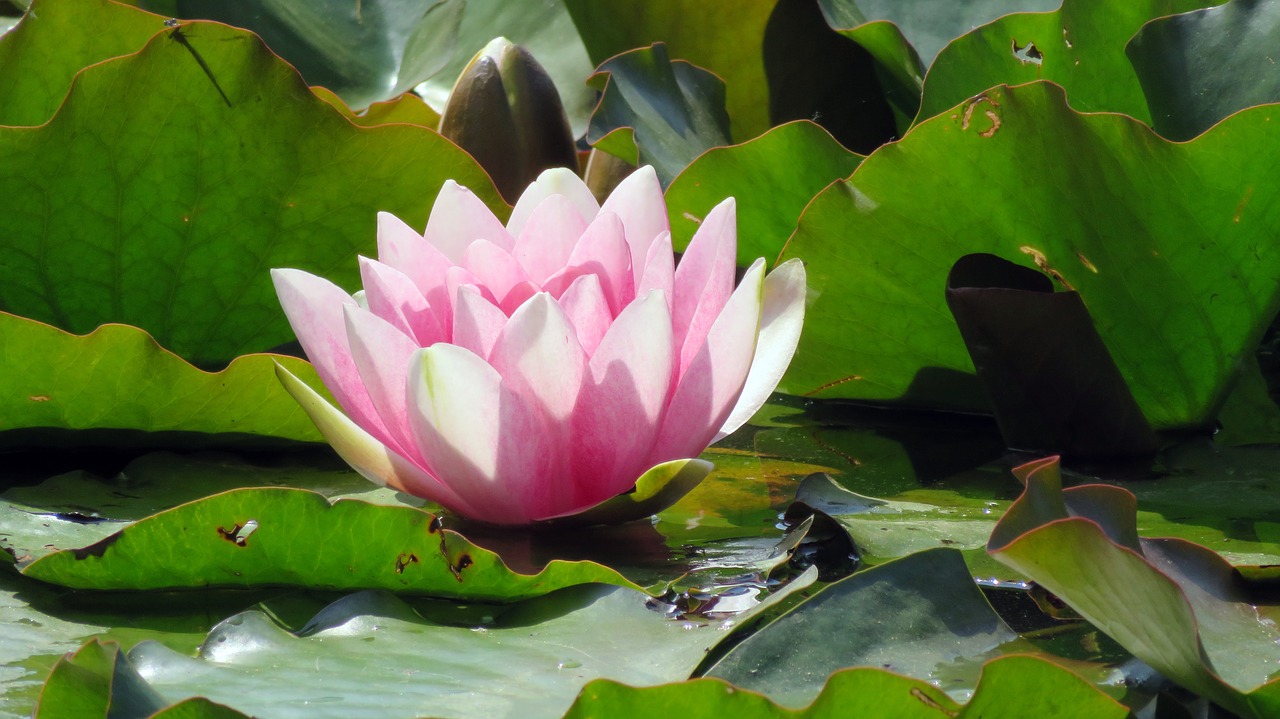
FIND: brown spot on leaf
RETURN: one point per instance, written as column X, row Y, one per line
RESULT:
column 928, row 701
column 404, row 560
column 46, row 398
column 239, row 534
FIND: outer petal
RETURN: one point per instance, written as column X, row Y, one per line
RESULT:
column 483, row 440
column 548, row 237
column 556, row 181
column 538, row 355
column 314, row 307
column 585, row 305
column 402, row 248
column 366, row 455
column 704, row 279
column 391, row 295
column 638, row 202
column 476, row 321
column 381, row 353
column 459, row 218
column 622, row 404
column 708, row 391
column 780, row 322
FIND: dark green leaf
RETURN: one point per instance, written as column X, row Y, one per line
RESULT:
column 930, row 25
column 1198, row 67
column 179, row 205
column 656, row 111
column 1168, row 245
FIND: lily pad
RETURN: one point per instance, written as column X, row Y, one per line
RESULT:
column 929, row 26
column 1167, row 244
column 118, row 378
column 1174, row 604
column 1081, row 47
column 180, row 204
column 1199, row 67
column 773, row 177
column 1009, row 686
column 293, row 537
column 655, row 111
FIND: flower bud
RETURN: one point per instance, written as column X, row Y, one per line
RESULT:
column 505, row 111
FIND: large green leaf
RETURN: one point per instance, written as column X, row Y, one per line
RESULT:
column 1080, row 47
column 773, row 177
column 293, row 537
column 179, row 204
column 40, row 56
column 1198, row 67
column 654, row 111
column 1174, row 604
column 1009, row 686
column 930, row 25
column 117, row 377
column 1170, row 246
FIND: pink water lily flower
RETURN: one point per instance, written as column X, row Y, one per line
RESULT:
column 533, row 371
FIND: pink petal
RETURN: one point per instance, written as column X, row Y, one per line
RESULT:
column 603, row 251
column 459, row 218
column 381, row 354
column 548, row 237
column 517, row 296
column 538, row 355
column 394, row 297
column 484, row 440
column 659, row 269
column 781, row 319
column 556, row 181
column 402, row 248
column 494, row 266
column 638, row 202
column 621, row 407
column 708, row 391
column 476, row 321
column 458, row 277
column 588, row 311
column 366, row 455
column 704, row 279
column 314, row 307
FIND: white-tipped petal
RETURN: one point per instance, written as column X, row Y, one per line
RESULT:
column 588, row 311
column 459, row 218
column 638, row 202
column 556, row 181
column 539, row 356
column 781, row 320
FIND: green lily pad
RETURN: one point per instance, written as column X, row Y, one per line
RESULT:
column 1199, row 67
column 1166, row 243
column 293, row 537
column 1174, row 604
column 921, row 616
column 1081, row 47
column 929, row 26
column 773, row 177
column 655, row 111
column 41, row 55
column 1009, row 686
column 180, row 205
column 366, row 52
column 118, row 378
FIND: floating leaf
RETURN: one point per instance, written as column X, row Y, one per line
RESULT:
column 293, row 537
column 1199, row 67
column 1174, row 604
column 1080, row 47
column 656, row 111
column 180, row 205
column 118, row 378
column 1168, row 244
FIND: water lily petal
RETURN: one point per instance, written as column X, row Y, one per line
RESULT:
column 588, row 311
column 476, row 321
column 459, row 218
column 494, row 267
column 704, row 279
column 489, row 443
column 709, row 389
column 314, row 307
column 603, row 251
column 638, row 202
column 781, row 319
column 391, row 295
column 539, row 356
column 461, row 277
column 402, row 248
column 548, row 237
column 366, row 454
column 659, row 269
column 381, row 355
column 556, row 181
column 621, row 407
